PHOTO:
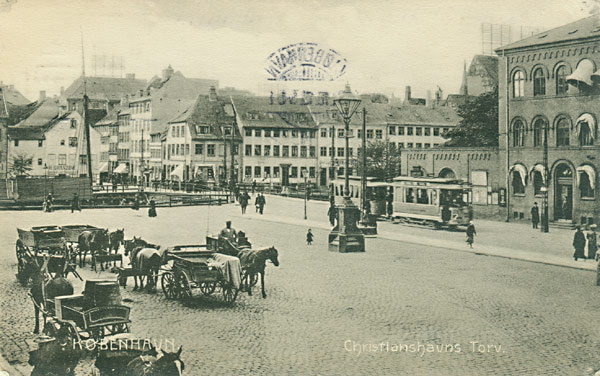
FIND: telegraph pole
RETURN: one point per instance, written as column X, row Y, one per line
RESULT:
column 545, row 226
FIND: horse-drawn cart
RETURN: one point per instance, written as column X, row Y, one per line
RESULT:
column 96, row 313
column 194, row 266
column 37, row 242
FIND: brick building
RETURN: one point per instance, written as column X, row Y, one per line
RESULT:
column 551, row 82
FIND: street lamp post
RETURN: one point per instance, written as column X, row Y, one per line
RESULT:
column 346, row 236
column 545, row 227
column 305, row 173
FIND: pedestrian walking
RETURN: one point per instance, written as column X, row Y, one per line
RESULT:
column 579, row 244
column 446, row 214
column 309, row 237
column 261, row 203
column 256, row 202
column 535, row 215
column 49, row 201
column 244, row 198
column 136, row 202
column 152, row 209
column 75, row 203
column 471, row 234
column 253, row 186
column 592, row 241
column 332, row 214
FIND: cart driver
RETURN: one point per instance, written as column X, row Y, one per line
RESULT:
column 228, row 233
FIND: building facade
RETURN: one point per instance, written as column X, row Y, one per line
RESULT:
column 550, row 85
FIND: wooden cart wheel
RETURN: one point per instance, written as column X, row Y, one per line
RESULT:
column 228, row 294
column 168, row 285
column 208, row 288
column 184, row 286
column 117, row 328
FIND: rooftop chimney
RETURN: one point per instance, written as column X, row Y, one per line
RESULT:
column 407, row 94
column 42, row 96
column 212, row 94
column 167, row 73
column 130, row 76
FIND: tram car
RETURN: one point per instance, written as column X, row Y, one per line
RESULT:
column 435, row 202
column 376, row 193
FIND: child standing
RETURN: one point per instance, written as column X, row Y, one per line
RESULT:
column 309, row 237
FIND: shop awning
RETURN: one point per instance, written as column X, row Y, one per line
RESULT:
column 121, row 169
column 103, row 167
column 522, row 172
column 178, row 173
column 591, row 173
column 586, row 120
column 539, row 168
column 583, row 73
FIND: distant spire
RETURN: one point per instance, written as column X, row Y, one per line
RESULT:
column 464, row 90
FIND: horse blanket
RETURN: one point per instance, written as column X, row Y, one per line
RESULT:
column 229, row 267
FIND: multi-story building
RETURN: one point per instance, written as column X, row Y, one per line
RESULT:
column 200, row 141
column 104, row 93
column 280, row 140
column 550, row 84
column 108, row 128
column 151, row 109
column 123, row 142
column 4, row 116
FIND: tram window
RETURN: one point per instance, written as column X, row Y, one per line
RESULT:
column 422, row 197
column 410, row 195
column 453, row 198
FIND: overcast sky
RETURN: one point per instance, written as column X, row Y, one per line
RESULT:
column 388, row 44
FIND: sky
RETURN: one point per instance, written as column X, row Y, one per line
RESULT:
column 387, row 44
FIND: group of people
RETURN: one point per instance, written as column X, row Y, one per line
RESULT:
column 579, row 243
column 49, row 202
column 259, row 202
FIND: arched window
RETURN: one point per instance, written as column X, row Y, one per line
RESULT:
column 586, row 129
column 519, row 84
column 538, row 132
column 561, row 80
column 518, row 133
column 517, row 183
column 538, row 182
column 586, row 186
column 563, row 131
column 539, row 82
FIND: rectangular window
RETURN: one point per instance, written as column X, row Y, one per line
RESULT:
column 427, row 131
column 248, row 132
column 62, row 159
column 313, row 134
column 73, row 123
column 400, row 145
column 40, row 143
column 187, row 149
column 267, row 133
column 276, row 171
column 276, row 150
column 312, row 172
column 257, row 171
column 436, row 131
column 312, row 151
column 379, row 134
column 410, row 145
column 199, row 149
column 267, row 150
column 294, row 173
column 39, row 161
column 294, row 151
column 248, row 171
column 419, row 131
column 340, row 152
column 369, row 133
column 340, row 133
column 400, row 131
column 294, row 133
column 350, row 152
column 323, row 132
column 427, row 146
column 409, row 131
column 248, row 150
column 419, row 145
column 303, row 134
column 210, row 150
column 303, row 150
column 359, row 134
column 276, row 133
column 330, row 151
column 323, row 151
column 257, row 133
column 62, row 142
column 257, row 150
column 286, row 151
column 267, row 172
column 392, row 130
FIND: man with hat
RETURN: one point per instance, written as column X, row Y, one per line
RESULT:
column 535, row 215
column 592, row 242
column 228, row 233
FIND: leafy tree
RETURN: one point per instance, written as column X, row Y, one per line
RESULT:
column 379, row 98
column 21, row 165
column 383, row 160
column 479, row 122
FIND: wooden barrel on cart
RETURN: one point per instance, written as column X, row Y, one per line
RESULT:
column 102, row 292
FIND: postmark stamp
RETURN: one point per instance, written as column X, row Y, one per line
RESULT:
column 305, row 62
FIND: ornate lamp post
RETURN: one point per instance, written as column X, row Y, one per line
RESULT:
column 346, row 236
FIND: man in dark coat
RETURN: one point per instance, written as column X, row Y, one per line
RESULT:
column 390, row 203
column 332, row 214
column 579, row 244
column 244, row 198
column 535, row 215
column 261, row 202
column 592, row 243
column 75, row 203
column 471, row 234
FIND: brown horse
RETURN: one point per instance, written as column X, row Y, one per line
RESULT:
column 92, row 241
column 45, row 287
column 145, row 260
column 169, row 364
column 254, row 263
column 115, row 239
